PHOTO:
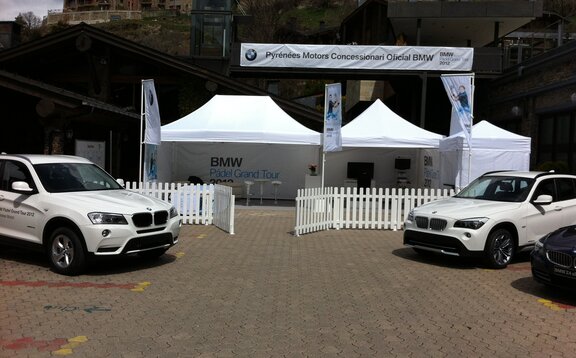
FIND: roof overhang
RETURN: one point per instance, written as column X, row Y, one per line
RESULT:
column 448, row 23
column 61, row 97
column 164, row 62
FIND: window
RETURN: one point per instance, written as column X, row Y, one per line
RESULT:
column 546, row 187
column 557, row 139
column 211, row 28
column 497, row 188
column 13, row 172
column 566, row 189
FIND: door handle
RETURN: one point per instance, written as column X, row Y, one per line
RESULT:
column 558, row 208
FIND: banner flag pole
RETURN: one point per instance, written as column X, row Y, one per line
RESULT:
column 460, row 90
column 140, row 139
column 332, row 138
column 150, row 132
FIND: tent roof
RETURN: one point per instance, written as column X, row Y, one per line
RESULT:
column 379, row 126
column 239, row 119
column 486, row 136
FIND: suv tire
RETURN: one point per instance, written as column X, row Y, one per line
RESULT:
column 500, row 248
column 66, row 252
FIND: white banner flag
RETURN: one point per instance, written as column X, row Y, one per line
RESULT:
column 333, row 118
column 150, row 163
column 151, row 113
column 460, row 90
column 416, row 58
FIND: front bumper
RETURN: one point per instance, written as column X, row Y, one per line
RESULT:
column 435, row 242
column 545, row 272
column 108, row 240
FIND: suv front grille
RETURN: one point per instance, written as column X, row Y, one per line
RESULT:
column 147, row 219
column 422, row 222
column 438, row 224
column 432, row 224
column 560, row 259
column 160, row 217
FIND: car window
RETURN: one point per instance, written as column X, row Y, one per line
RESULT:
column 13, row 172
column 546, row 187
column 566, row 189
column 498, row 188
column 67, row 177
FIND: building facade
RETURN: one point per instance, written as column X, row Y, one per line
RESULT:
column 537, row 98
column 525, row 77
column 97, row 11
column 130, row 5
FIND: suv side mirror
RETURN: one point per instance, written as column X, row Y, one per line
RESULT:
column 121, row 182
column 22, row 187
column 543, row 200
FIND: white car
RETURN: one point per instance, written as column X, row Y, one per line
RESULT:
column 72, row 209
column 495, row 216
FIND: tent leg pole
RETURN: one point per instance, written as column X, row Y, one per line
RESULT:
column 424, row 77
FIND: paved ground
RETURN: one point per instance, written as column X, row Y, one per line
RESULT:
column 266, row 293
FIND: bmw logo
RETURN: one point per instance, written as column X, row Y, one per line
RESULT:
column 251, row 54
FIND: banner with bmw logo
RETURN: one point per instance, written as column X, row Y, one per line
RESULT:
column 332, row 118
column 357, row 57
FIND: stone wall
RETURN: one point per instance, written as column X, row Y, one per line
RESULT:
column 92, row 17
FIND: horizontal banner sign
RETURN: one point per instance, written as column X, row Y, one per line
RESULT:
column 357, row 57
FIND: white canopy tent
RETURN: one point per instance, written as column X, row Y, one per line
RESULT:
column 391, row 137
column 233, row 139
column 239, row 119
column 379, row 127
column 493, row 148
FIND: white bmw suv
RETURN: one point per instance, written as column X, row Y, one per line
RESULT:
column 71, row 209
column 495, row 216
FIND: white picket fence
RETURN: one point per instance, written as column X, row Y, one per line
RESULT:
column 316, row 208
column 205, row 204
column 224, row 208
column 320, row 209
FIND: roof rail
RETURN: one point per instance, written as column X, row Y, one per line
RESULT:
column 498, row 171
column 545, row 173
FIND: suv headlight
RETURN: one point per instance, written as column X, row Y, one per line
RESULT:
column 410, row 216
column 472, row 223
column 540, row 243
column 173, row 212
column 107, row 218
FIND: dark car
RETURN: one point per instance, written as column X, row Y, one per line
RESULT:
column 554, row 258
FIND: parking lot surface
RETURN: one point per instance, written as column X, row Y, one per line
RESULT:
column 266, row 293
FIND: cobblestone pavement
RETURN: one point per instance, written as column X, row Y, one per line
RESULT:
column 266, row 293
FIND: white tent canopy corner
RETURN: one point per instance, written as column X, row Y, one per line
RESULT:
column 493, row 148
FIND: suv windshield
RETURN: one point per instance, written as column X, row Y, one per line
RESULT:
column 498, row 188
column 66, row 177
